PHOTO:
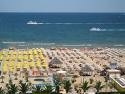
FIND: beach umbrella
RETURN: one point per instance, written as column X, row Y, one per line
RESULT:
column 18, row 66
column 32, row 64
column 38, row 64
column 4, row 68
column 11, row 69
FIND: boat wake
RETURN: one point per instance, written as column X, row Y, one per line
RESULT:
column 103, row 29
column 67, row 23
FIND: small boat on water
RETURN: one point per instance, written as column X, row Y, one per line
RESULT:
column 95, row 29
column 31, row 22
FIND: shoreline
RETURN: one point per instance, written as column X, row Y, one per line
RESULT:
column 58, row 45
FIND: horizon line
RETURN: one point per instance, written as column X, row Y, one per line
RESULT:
column 55, row 12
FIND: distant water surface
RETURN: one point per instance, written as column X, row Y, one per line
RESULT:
column 66, row 29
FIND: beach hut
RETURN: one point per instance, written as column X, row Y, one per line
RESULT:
column 86, row 71
column 55, row 63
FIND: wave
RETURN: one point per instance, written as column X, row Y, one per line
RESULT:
column 30, row 43
column 54, row 45
column 42, row 43
column 8, row 42
column 22, row 45
column 103, row 29
column 119, row 45
column 39, row 44
column 45, row 44
column 80, row 45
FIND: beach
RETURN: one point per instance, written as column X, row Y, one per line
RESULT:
column 42, row 63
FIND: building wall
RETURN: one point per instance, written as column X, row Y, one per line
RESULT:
column 114, row 75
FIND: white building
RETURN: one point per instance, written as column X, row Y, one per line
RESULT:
column 113, row 73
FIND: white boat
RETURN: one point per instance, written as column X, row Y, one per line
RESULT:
column 31, row 22
column 95, row 29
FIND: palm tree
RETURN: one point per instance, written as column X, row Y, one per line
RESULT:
column 1, row 91
column 57, row 84
column 107, row 83
column 11, row 88
column 16, row 74
column 2, row 77
column 37, row 89
column 30, row 85
column 85, row 86
column 48, row 89
column 111, row 85
column 23, row 87
column 67, row 85
column 98, row 86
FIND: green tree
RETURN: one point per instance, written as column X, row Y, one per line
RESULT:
column 111, row 85
column 30, row 85
column 11, row 88
column 67, row 85
column 37, row 89
column 57, row 84
column 107, row 83
column 98, row 86
column 85, row 86
column 1, row 91
column 23, row 87
column 48, row 89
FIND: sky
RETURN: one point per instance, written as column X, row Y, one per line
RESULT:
column 62, row 5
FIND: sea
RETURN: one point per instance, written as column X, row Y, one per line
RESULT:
column 62, row 30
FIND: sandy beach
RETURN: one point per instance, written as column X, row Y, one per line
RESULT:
column 42, row 63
